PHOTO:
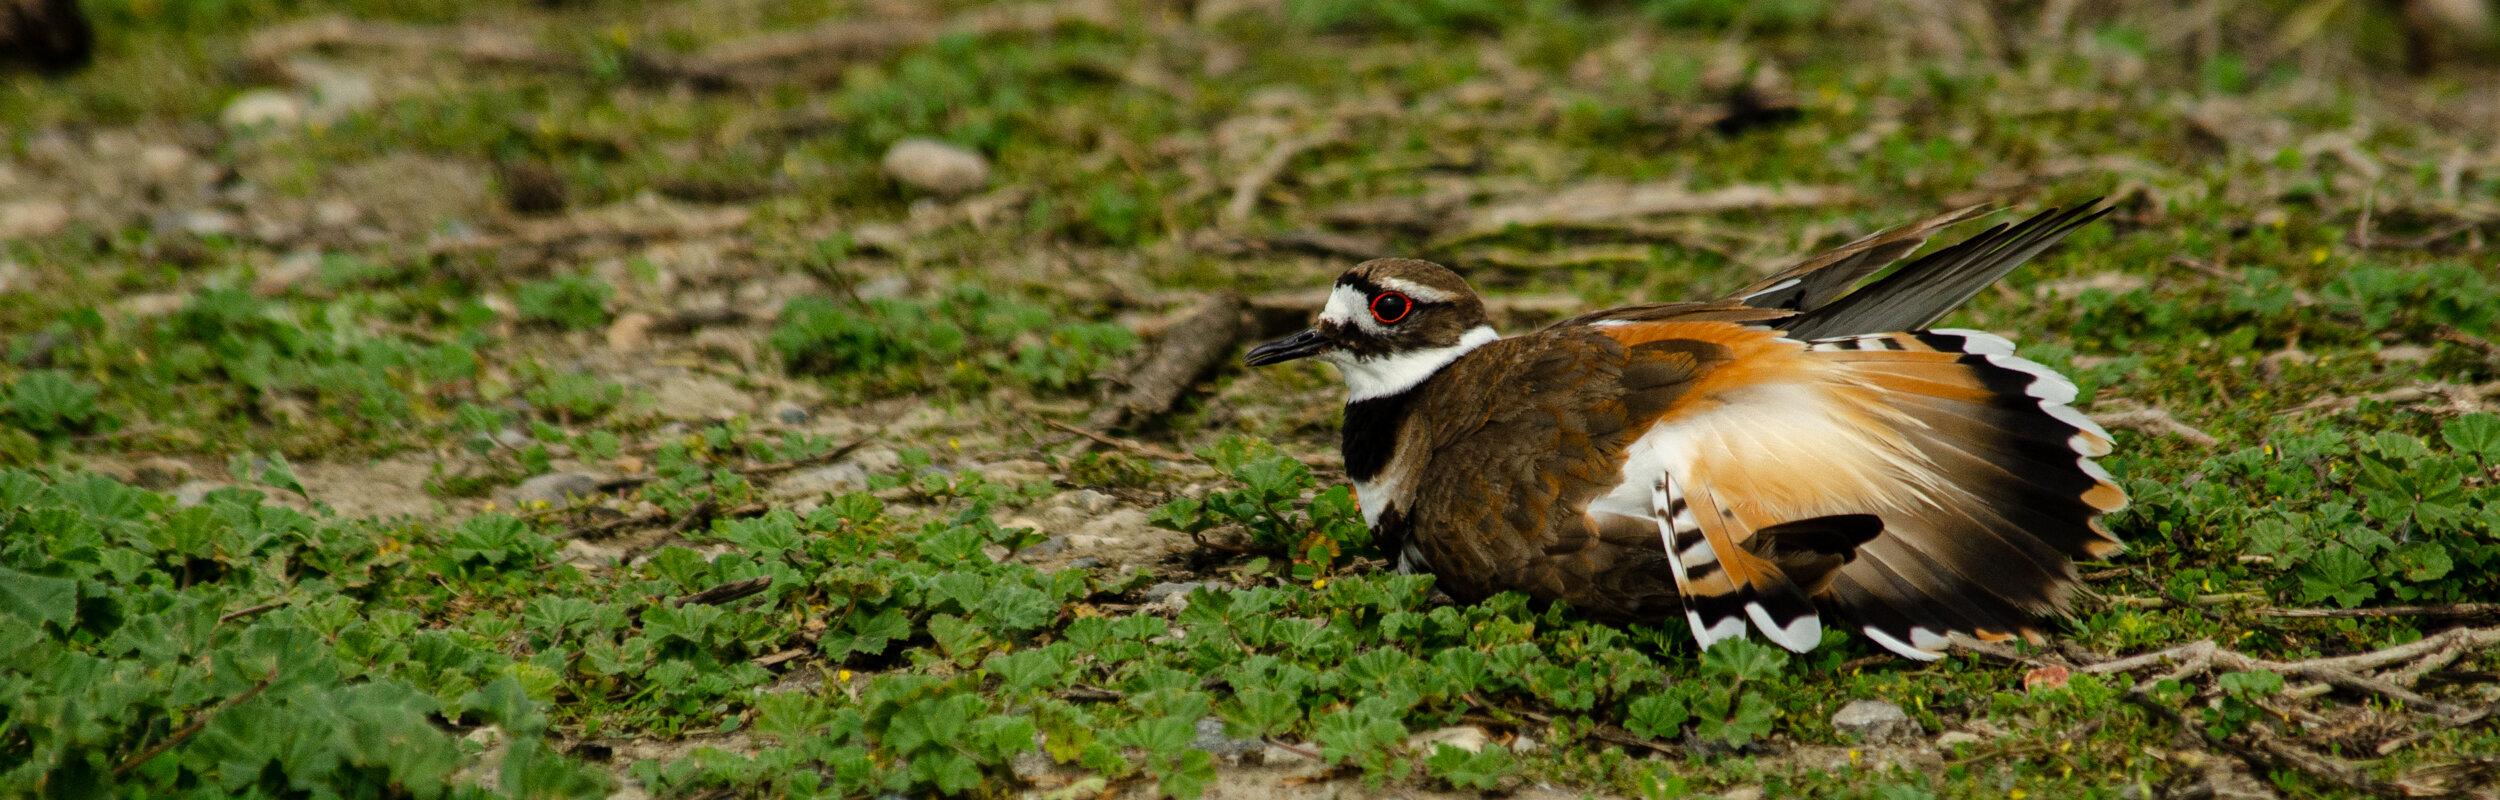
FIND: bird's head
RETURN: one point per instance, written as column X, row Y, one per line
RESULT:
column 1389, row 324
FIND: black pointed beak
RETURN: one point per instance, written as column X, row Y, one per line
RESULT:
column 1306, row 344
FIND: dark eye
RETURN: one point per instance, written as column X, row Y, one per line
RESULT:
column 1390, row 307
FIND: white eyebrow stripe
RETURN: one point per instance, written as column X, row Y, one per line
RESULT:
column 1415, row 291
column 1346, row 307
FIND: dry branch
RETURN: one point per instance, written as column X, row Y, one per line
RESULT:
column 1606, row 202
column 2154, row 421
column 1318, row 243
column 2222, row 599
column 726, row 592
column 615, row 225
column 1131, row 445
column 754, row 61
column 1189, row 348
column 853, row 39
column 2344, row 671
column 241, row 613
column 2450, row 334
column 485, row 47
column 198, row 724
column 2451, row 611
column 1246, row 188
column 645, row 520
column 759, row 470
column 2408, row 394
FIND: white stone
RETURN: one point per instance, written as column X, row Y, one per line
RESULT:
column 338, row 95
column 700, row 397
column 934, row 166
column 555, row 489
column 1874, row 721
column 830, row 479
column 1464, row 737
column 262, row 109
column 26, row 219
column 164, row 162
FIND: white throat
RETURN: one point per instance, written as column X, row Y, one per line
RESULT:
column 1367, row 378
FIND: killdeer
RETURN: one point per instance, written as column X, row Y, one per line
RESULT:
column 1744, row 459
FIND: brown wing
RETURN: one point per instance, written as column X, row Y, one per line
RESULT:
column 1501, row 499
column 1812, row 300
column 1822, row 278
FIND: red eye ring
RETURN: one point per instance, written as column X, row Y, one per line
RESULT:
column 1402, row 307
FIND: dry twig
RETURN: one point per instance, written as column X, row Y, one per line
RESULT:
column 2226, row 598
column 231, row 616
column 726, row 592
column 620, row 226
column 2449, row 333
column 825, row 49
column 2408, row 394
column 1131, row 445
column 1189, row 348
column 632, row 521
column 2344, row 671
column 269, row 48
column 1246, row 188
column 1605, row 202
column 2450, row 611
column 2154, row 421
column 198, row 724
column 759, row 470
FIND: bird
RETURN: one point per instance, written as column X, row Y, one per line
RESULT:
column 1755, row 461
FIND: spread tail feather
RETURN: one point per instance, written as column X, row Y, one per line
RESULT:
column 1920, row 484
column 2019, row 499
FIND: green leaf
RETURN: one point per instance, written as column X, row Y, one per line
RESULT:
column 1163, row 736
column 961, row 640
column 1657, row 716
column 49, row 403
column 2254, row 682
column 2478, row 434
column 1356, row 732
column 1751, row 719
column 505, row 702
column 1266, row 711
column 1744, row 660
column 2420, row 561
column 1188, row 776
column 2400, row 446
column 2340, row 575
column 1026, row 669
column 1481, row 770
column 37, row 599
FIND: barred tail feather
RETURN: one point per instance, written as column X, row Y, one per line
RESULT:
column 1722, row 571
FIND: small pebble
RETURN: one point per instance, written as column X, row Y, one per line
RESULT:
column 937, row 167
column 1464, row 737
column 1212, row 739
column 1163, row 591
column 1874, row 721
column 555, row 489
column 262, row 109
column 22, row 219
